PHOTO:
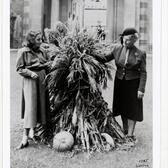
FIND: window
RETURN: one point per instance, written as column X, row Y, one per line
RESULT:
column 143, row 4
column 143, row 29
column 143, row 17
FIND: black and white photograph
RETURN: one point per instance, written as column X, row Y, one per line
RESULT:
column 81, row 84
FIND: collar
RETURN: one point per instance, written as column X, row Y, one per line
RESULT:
column 27, row 49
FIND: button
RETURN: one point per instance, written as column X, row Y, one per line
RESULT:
column 123, row 73
column 124, row 69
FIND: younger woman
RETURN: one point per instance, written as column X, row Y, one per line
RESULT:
column 32, row 64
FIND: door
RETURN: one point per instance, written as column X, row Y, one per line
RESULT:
column 47, row 14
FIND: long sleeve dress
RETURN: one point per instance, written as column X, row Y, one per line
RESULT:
column 35, row 99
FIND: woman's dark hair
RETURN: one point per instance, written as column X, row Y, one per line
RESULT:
column 121, row 40
column 128, row 31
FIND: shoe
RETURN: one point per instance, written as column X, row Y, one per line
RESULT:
column 134, row 139
column 31, row 133
column 130, row 141
column 22, row 145
column 125, row 132
column 33, row 139
column 32, row 136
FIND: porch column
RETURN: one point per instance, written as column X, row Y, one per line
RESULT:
column 55, row 8
column 144, row 25
column 63, row 12
column 110, row 19
column 115, row 19
column 129, row 13
column 26, row 17
column 36, row 14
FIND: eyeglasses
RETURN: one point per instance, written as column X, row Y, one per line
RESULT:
column 38, row 39
column 129, row 37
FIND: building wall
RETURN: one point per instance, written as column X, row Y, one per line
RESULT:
column 63, row 11
column 150, row 29
column 36, row 14
column 55, row 7
column 80, row 13
column 46, row 14
column 26, row 17
column 129, row 13
column 40, row 14
column 95, row 13
column 119, row 18
column 120, row 14
column 77, row 11
column 110, row 27
column 16, row 23
column 145, row 25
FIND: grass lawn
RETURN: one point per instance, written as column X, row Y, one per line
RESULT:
column 40, row 156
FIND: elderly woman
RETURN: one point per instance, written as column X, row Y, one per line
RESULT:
column 32, row 64
column 130, row 81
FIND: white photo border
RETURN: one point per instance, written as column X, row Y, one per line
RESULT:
column 6, row 83
column 160, row 83
column 164, row 85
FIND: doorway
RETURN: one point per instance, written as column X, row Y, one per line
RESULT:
column 95, row 13
column 47, row 14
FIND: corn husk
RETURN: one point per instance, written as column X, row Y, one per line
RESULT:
column 74, row 82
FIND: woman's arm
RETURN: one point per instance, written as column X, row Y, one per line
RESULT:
column 45, row 62
column 20, row 65
column 143, row 74
column 103, row 57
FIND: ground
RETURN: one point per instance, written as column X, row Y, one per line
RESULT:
column 40, row 156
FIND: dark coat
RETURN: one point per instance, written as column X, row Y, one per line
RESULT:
column 135, row 67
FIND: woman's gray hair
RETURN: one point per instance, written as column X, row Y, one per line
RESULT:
column 30, row 39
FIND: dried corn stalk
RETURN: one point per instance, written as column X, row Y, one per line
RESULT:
column 77, row 104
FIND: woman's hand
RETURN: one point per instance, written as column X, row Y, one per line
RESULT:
column 48, row 65
column 140, row 95
column 34, row 75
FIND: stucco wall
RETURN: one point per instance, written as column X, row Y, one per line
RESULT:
column 63, row 10
column 36, row 13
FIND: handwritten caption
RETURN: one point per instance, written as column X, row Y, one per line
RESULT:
column 142, row 163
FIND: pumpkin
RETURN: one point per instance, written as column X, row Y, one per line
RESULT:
column 63, row 141
column 108, row 139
